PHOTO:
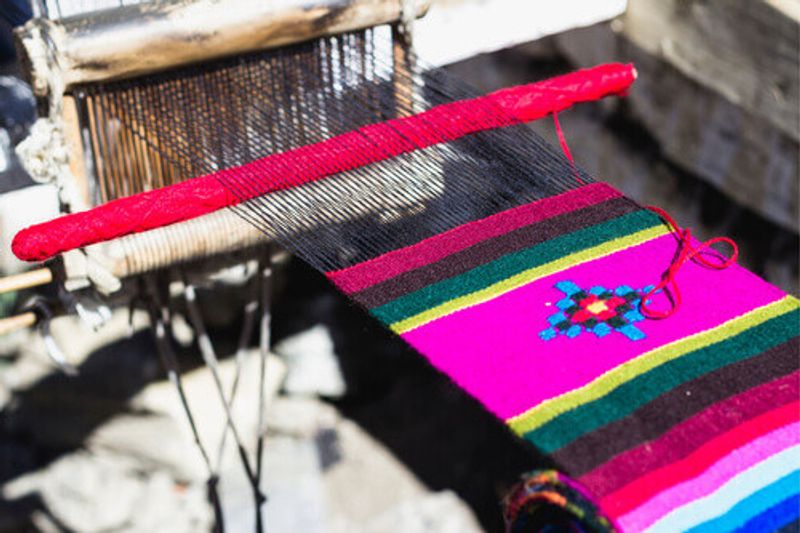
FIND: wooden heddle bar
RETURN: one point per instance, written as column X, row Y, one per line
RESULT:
column 139, row 39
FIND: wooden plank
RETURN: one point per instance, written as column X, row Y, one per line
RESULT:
column 728, row 129
column 745, row 50
column 17, row 322
column 26, row 280
column 454, row 30
column 136, row 39
column 77, row 156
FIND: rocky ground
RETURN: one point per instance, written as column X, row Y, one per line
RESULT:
column 361, row 434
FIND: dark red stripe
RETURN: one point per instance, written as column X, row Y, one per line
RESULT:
column 491, row 249
column 654, row 419
column 369, row 144
column 684, row 438
column 652, row 482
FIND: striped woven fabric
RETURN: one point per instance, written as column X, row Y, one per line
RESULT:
column 685, row 424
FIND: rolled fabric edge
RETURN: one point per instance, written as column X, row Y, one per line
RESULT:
column 548, row 497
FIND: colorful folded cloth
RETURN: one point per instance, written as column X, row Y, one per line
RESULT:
column 690, row 423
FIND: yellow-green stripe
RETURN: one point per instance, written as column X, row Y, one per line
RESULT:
column 611, row 380
column 527, row 276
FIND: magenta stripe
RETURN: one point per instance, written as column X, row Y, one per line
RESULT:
column 389, row 265
column 493, row 350
column 717, row 474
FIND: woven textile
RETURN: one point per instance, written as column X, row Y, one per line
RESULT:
column 687, row 423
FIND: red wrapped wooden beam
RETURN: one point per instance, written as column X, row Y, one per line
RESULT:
column 376, row 142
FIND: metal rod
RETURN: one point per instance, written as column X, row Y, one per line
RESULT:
column 159, row 320
column 241, row 352
column 211, row 361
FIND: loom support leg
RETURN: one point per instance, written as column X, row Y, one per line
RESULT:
column 264, row 343
column 212, row 363
column 159, row 320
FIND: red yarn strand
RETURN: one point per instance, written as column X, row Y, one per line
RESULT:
column 562, row 140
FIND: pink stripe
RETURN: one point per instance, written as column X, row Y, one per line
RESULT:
column 494, row 352
column 719, row 473
column 389, row 265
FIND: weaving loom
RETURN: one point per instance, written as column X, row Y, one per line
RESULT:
column 661, row 378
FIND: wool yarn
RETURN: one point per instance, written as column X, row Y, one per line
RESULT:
column 686, row 423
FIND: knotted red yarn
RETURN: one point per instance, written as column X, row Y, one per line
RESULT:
column 686, row 252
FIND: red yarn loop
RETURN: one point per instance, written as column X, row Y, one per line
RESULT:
column 686, row 252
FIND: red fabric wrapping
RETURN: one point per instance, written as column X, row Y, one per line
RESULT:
column 369, row 144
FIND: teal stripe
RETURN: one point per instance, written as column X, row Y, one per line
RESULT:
column 495, row 271
column 636, row 393
column 752, row 506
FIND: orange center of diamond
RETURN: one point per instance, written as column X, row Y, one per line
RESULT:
column 597, row 307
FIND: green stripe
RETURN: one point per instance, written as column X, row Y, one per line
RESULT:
column 529, row 276
column 485, row 275
column 549, row 409
column 633, row 394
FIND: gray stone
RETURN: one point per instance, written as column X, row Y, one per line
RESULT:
column 438, row 512
column 312, row 364
column 92, row 492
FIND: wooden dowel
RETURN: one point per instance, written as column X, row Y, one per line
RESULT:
column 26, row 280
column 17, row 322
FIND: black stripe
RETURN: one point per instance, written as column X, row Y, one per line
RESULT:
column 669, row 409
